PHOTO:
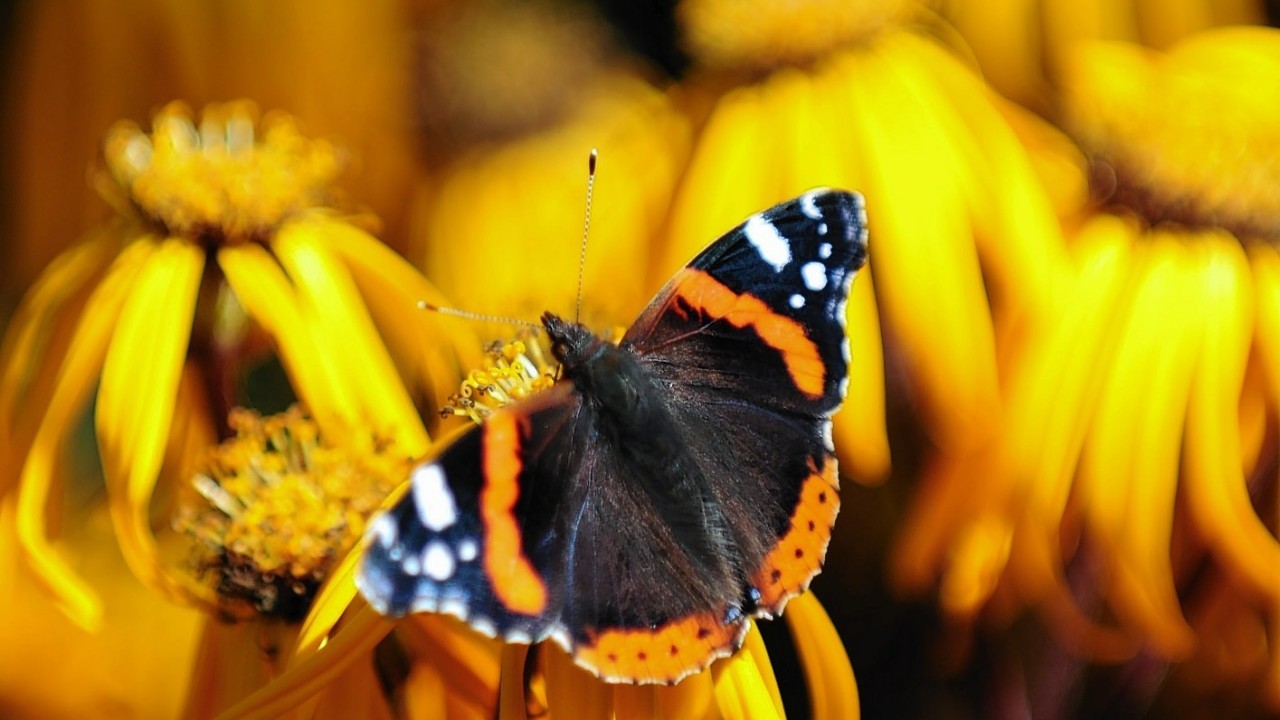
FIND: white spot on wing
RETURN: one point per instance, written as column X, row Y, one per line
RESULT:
column 844, row 387
column 809, row 206
column 383, row 530
column 433, row 498
column 437, row 561
column 822, row 230
column 411, row 565
column 797, row 301
column 467, row 550
column 764, row 237
column 824, row 250
column 484, row 626
column 827, row 440
column 455, row 607
column 815, row 275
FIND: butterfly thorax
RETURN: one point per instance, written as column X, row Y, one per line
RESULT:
column 609, row 377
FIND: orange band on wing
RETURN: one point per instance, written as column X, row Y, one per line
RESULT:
column 664, row 654
column 779, row 332
column 787, row 570
column 515, row 583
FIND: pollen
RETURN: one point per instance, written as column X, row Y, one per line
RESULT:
column 512, row 371
column 277, row 504
column 224, row 178
column 1186, row 137
column 763, row 34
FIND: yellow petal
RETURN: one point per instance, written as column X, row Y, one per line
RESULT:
column 1129, row 476
column 832, row 688
column 1218, row 498
column 330, row 303
column 571, row 691
column 441, row 350
column 923, row 249
column 362, row 630
column 331, row 601
column 733, row 144
column 740, row 689
column 468, row 662
column 268, row 297
column 138, row 394
column 35, row 335
column 79, row 369
column 511, row 699
column 753, row 646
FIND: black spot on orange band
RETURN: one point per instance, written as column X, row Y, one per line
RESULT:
column 789, row 567
column 664, row 654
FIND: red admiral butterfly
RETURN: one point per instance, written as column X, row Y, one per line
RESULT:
column 666, row 488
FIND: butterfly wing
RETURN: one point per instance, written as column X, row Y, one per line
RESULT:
column 528, row 527
column 750, row 338
column 469, row 536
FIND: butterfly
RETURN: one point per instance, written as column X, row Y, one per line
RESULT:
column 665, row 489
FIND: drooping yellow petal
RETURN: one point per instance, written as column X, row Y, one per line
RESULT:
column 440, row 349
column 361, row 631
column 832, row 687
column 331, row 601
column 139, row 390
column 1128, row 479
column 330, row 304
column 79, row 369
column 37, row 333
column 1053, row 399
column 922, row 249
column 1218, row 497
column 468, row 662
column 571, row 691
column 511, row 698
column 268, row 297
column 740, row 690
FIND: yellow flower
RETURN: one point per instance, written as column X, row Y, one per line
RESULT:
column 1138, row 444
column 272, row 513
column 961, row 232
column 82, row 64
column 224, row 247
column 1022, row 45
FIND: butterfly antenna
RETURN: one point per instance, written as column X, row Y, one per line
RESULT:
column 586, row 226
column 468, row 315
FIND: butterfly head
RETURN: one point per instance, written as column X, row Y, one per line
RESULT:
column 572, row 343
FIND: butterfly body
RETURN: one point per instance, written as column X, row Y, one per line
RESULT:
column 666, row 488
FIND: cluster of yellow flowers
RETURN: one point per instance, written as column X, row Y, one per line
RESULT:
column 1068, row 337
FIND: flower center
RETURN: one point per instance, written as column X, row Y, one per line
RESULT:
column 765, row 34
column 511, row 372
column 230, row 179
column 282, row 502
column 1176, row 139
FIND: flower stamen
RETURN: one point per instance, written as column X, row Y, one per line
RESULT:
column 283, row 502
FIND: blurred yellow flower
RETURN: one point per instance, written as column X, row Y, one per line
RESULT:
column 224, row 245
column 1138, row 453
column 1022, row 45
column 82, row 64
column 853, row 97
